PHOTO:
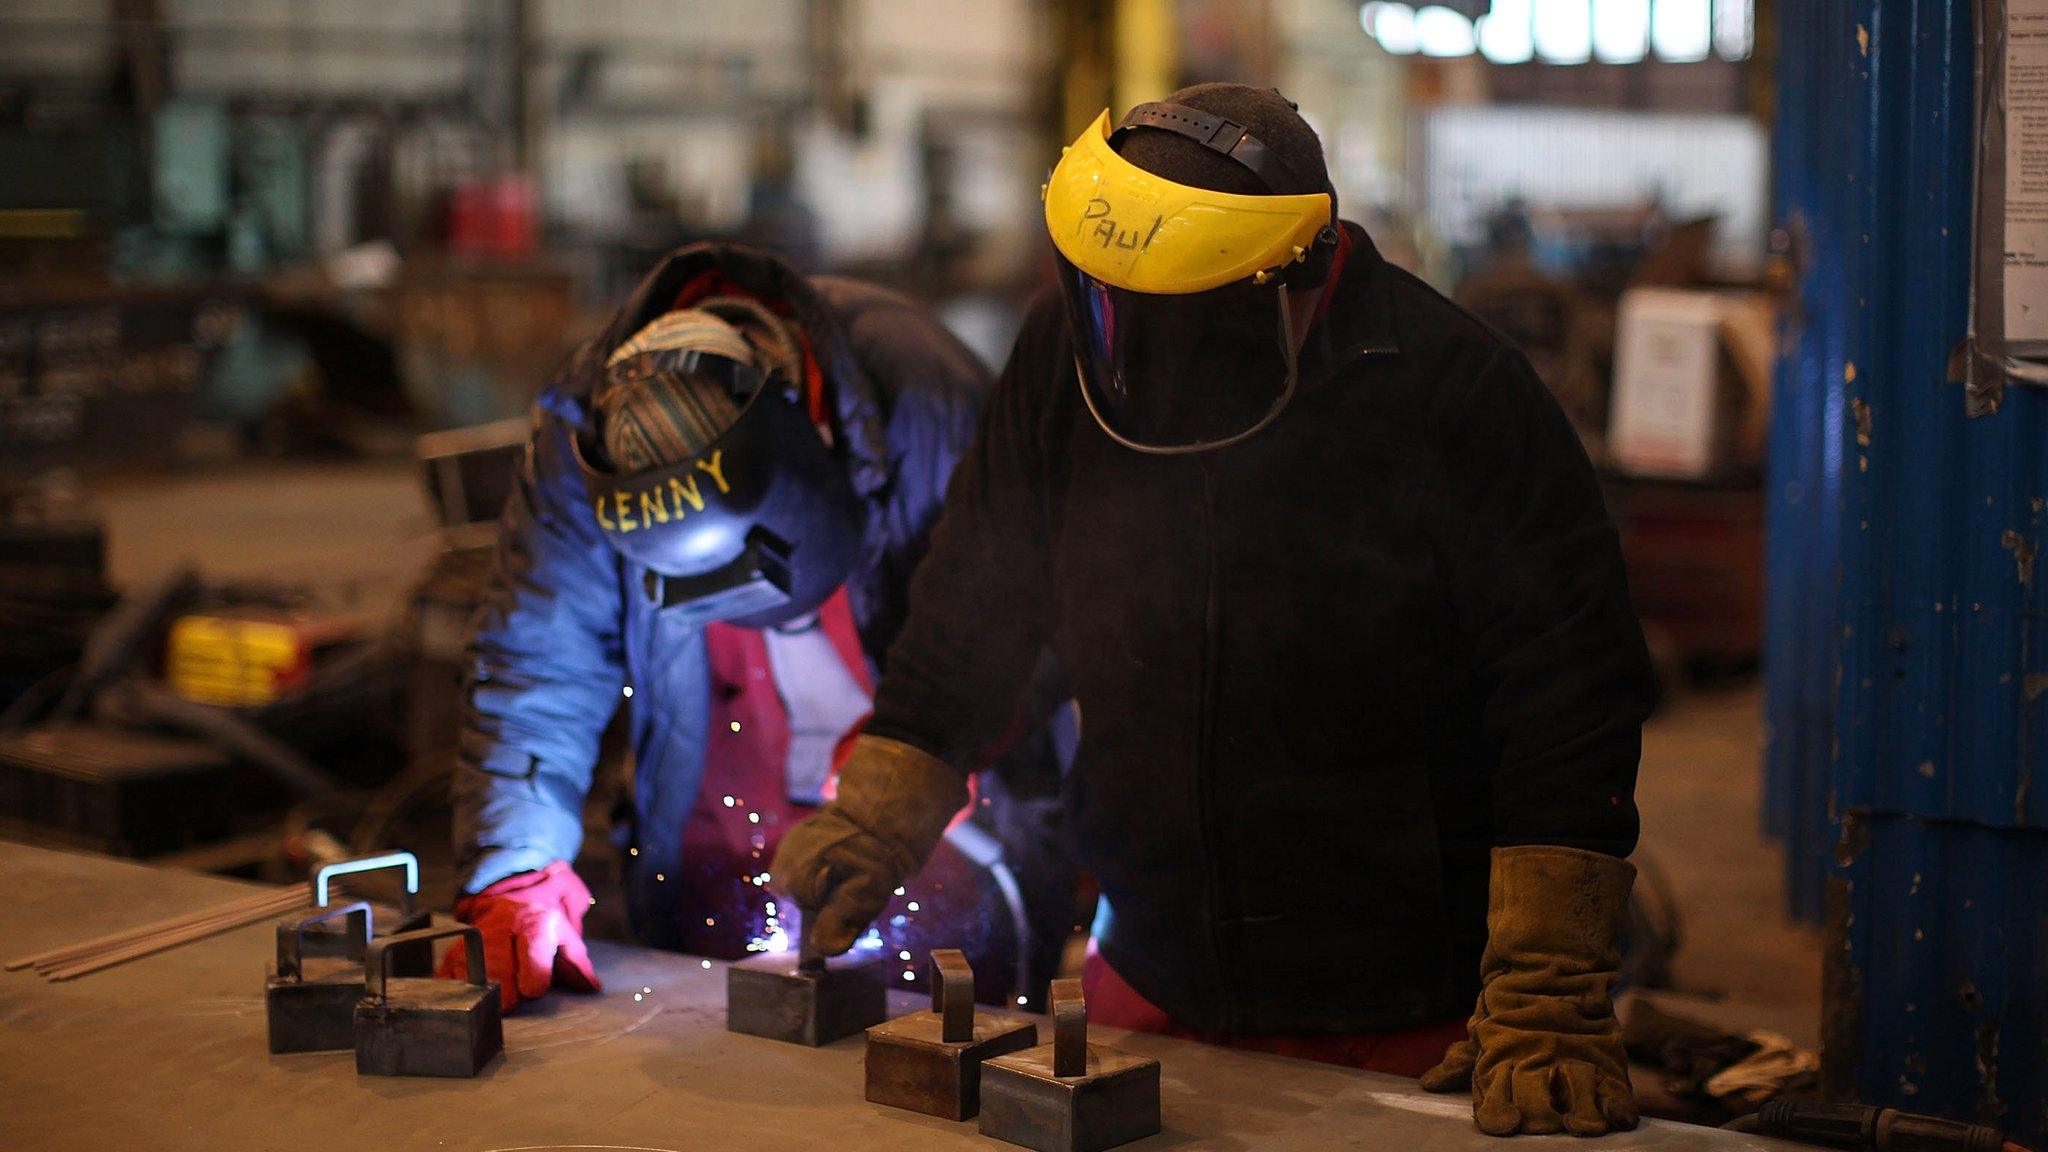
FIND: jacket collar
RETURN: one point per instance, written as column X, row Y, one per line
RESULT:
column 1358, row 317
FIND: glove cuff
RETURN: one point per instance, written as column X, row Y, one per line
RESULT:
column 902, row 795
column 556, row 886
column 1564, row 903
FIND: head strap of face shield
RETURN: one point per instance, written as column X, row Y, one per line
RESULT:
column 1215, row 133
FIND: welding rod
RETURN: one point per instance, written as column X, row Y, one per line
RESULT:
column 149, row 945
column 184, row 926
column 127, row 935
column 168, row 941
column 239, row 913
column 115, row 939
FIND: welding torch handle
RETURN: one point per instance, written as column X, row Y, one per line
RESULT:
column 1861, row 1126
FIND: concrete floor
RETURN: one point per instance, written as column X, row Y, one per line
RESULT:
column 361, row 532
column 1742, row 962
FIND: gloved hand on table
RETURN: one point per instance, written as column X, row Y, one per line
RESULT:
column 532, row 925
column 843, row 864
column 1544, row 1052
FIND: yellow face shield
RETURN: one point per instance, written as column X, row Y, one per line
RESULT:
column 1175, row 296
column 1129, row 229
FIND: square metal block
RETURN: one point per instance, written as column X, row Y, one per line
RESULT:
column 768, row 996
column 310, row 996
column 1114, row 1102
column 910, row 1064
column 314, row 1011
column 424, row 1027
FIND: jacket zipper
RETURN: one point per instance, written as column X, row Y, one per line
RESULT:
column 1205, row 714
column 1205, row 726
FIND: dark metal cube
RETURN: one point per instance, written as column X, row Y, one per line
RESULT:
column 314, row 1013
column 768, row 996
column 909, row 1065
column 423, row 1027
column 1115, row 1102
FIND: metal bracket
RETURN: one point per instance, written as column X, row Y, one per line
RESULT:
column 953, row 995
column 328, row 872
column 291, row 941
column 1069, row 1029
column 377, row 966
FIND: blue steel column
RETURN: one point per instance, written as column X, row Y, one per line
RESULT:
column 1804, row 484
column 1906, row 692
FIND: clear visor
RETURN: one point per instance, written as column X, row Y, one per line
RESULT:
column 1185, row 372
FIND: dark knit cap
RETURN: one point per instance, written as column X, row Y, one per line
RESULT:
column 1265, row 114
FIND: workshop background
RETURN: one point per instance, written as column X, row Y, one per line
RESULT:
column 279, row 278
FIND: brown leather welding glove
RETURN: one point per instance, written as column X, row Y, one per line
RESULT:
column 1544, row 1052
column 842, row 864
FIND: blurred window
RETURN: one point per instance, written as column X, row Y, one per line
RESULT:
column 1568, row 31
column 1621, row 30
column 1734, row 28
column 1682, row 30
column 1564, row 31
column 1442, row 32
column 1477, row 158
column 1393, row 25
column 1505, row 33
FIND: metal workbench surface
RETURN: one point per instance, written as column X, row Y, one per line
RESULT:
column 169, row 1052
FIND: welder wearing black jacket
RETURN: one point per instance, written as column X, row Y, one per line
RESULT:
column 1361, row 690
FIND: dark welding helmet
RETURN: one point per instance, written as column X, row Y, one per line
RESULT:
column 1176, row 295
column 757, row 527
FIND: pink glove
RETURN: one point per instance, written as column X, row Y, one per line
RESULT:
column 532, row 925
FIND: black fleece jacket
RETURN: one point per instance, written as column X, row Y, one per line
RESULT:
column 1322, row 672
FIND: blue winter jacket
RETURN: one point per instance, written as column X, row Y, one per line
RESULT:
column 560, row 633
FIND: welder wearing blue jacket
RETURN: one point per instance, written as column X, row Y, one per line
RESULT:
column 715, row 524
